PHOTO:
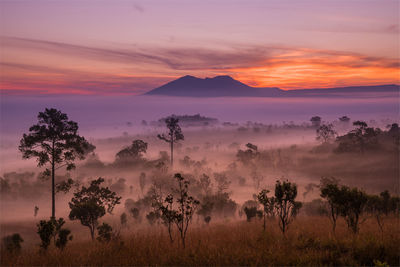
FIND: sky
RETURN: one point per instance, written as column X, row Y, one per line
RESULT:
column 126, row 47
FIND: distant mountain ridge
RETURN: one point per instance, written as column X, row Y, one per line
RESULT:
column 220, row 86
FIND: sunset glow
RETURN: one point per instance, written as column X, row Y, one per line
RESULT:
column 72, row 47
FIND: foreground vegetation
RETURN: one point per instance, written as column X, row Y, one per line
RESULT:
column 308, row 242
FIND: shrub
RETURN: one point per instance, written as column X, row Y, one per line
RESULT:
column 104, row 232
column 250, row 212
column 13, row 242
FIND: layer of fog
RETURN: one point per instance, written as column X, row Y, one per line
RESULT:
column 112, row 123
column 105, row 117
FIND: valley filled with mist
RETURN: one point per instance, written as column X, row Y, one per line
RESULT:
column 231, row 150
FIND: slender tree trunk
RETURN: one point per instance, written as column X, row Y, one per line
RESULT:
column 334, row 227
column 91, row 232
column 264, row 222
column 170, row 233
column 53, row 193
column 172, row 152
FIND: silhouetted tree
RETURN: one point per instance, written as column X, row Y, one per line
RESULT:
column 379, row 206
column 353, row 205
column 326, row 133
column 332, row 193
column 315, row 121
column 46, row 231
column 186, row 207
column 267, row 202
column 394, row 132
column 133, row 152
column 174, row 134
column 286, row 206
column 247, row 156
column 168, row 215
column 91, row 203
column 359, row 139
column 54, row 140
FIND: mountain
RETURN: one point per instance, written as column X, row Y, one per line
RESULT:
column 211, row 87
column 227, row 86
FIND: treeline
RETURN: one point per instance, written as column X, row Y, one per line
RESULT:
column 173, row 199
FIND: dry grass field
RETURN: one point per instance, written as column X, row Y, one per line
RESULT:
column 309, row 242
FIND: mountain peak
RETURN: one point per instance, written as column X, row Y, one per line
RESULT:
column 188, row 77
column 222, row 85
column 221, row 77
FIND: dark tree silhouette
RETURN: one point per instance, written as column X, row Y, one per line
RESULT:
column 174, row 134
column 331, row 192
column 247, row 156
column 394, row 132
column 286, row 205
column 354, row 204
column 360, row 139
column 133, row 151
column 54, row 140
column 168, row 215
column 325, row 133
column 379, row 207
column 186, row 207
column 267, row 202
column 315, row 121
column 91, row 203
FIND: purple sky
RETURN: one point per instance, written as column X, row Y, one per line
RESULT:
column 128, row 47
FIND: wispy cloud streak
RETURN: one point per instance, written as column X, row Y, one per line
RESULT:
column 284, row 66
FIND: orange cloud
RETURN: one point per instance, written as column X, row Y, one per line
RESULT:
column 75, row 69
column 318, row 69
